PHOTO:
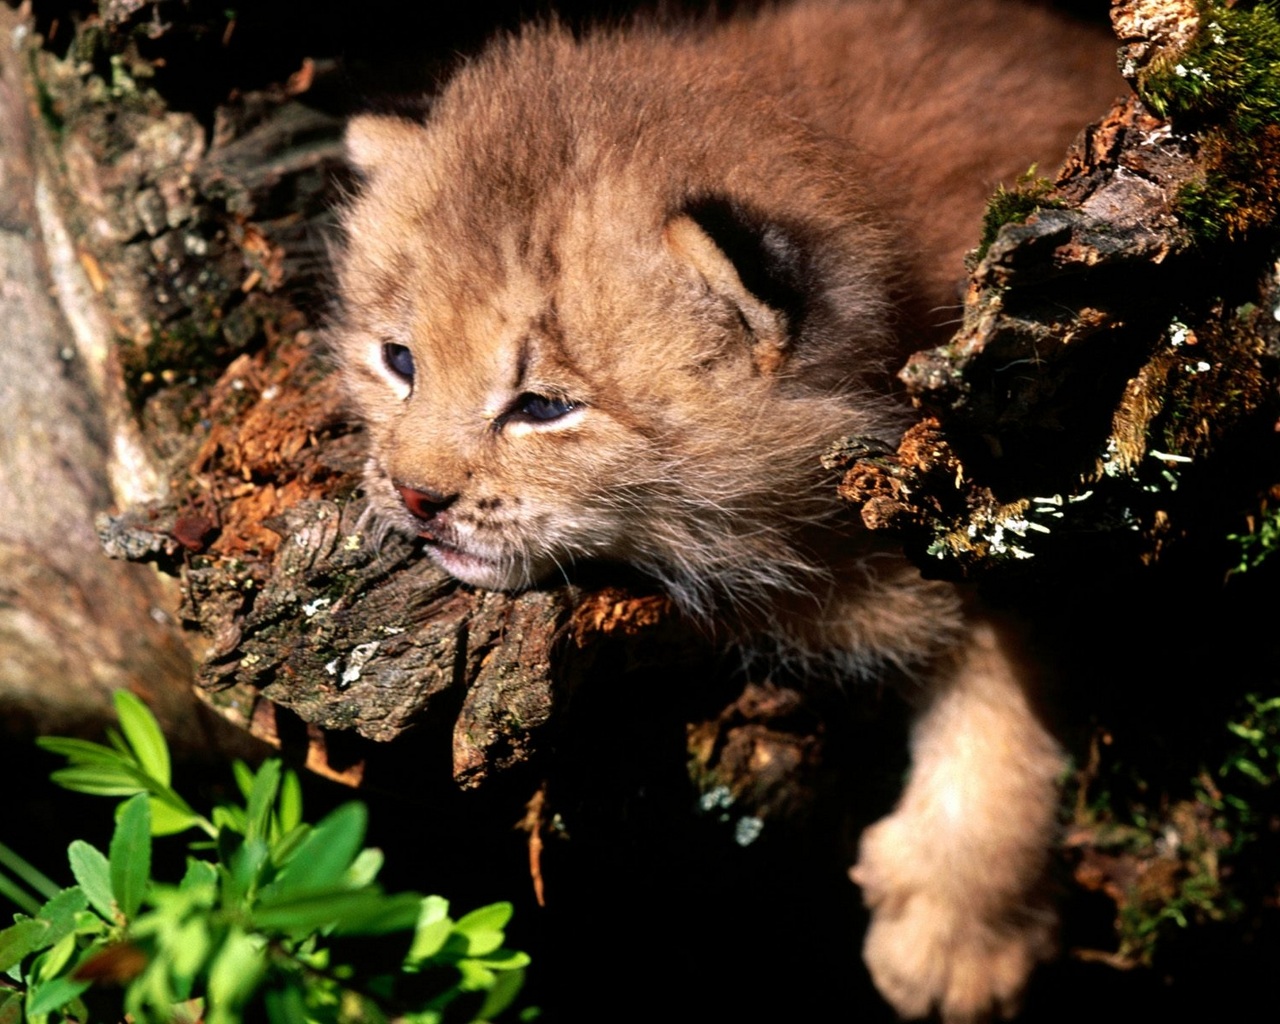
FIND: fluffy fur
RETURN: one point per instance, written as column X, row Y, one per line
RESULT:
column 615, row 296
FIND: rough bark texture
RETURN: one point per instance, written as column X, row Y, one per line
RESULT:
column 1112, row 359
column 1108, row 401
column 73, row 627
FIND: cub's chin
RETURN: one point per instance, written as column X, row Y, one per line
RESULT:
column 482, row 570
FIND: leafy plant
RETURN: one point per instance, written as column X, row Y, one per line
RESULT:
column 1169, row 866
column 260, row 924
column 1259, row 543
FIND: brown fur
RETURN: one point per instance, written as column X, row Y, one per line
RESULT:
column 706, row 244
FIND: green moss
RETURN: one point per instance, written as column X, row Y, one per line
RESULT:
column 1258, row 544
column 1206, row 207
column 1230, row 74
column 1014, row 206
column 1224, row 89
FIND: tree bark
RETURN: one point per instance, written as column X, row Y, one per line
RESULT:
column 73, row 626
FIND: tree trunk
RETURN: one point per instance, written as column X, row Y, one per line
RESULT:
column 73, row 626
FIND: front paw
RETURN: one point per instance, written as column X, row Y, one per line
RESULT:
column 962, row 950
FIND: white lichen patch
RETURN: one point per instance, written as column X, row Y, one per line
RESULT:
column 715, row 799
column 311, row 607
column 356, row 661
column 998, row 537
column 747, row 830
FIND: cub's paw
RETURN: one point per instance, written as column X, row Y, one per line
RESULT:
column 934, row 945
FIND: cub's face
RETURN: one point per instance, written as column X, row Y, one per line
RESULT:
column 573, row 376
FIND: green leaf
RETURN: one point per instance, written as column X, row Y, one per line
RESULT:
column 475, row 977
column 101, row 779
column 200, row 873
column 433, row 928
column 190, row 946
column 80, row 751
column 493, row 917
column 503, row 993
column 51, row 962
column 230, row 818
column 324, row 856
column 505, row 960
column 284, row 847
column 344, row 911
column 364, row 869
column 243, row 775
column 93, row 874
column 60, row 912
column 20, row 940
column 130, row 855
column 396, row 913
column 290, row 813
column 262, row 797
column 244, row 867
column 118, row 744
column 285, row 1006
column 144, row 736
column 88, row 922
column 482, row 928
column 55, row 994
column 28, row 873
column 237, row 969
column 167, row 820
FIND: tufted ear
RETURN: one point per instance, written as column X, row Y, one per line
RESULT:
column 375, row 140
column 749, row 262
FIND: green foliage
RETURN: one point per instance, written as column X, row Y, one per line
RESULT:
column 1253, row 761
column 257, row 926
column 1166, row 867
column 1259, row 544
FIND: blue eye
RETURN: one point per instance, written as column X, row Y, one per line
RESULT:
column 399, row 360
column 541, row 408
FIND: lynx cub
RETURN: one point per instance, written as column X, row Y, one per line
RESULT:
column 614, row 297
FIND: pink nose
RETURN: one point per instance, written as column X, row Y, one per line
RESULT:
column 424, row 504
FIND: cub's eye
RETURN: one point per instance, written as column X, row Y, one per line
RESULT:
column 399, row 360
column 542, row 409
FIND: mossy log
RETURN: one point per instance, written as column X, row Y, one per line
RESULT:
column 1115, row 369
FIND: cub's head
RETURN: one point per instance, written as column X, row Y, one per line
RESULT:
column 576, row 332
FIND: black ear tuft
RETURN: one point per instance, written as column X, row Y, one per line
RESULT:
column 769, row 261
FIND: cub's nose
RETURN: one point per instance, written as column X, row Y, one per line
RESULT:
column 424, row 504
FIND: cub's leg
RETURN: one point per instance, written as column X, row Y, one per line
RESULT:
column 954, row 875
